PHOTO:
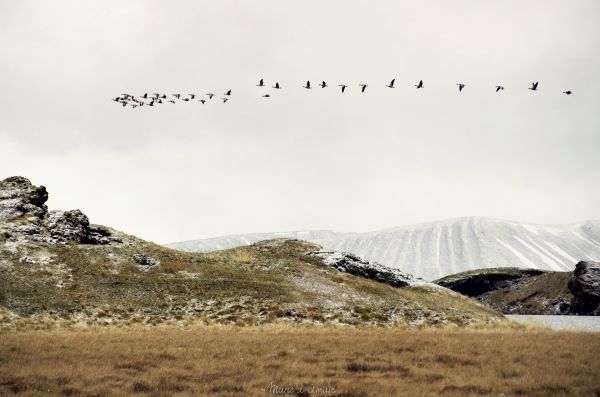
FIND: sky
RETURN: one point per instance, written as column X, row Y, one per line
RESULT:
column 303, row 159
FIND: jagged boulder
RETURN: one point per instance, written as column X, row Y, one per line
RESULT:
column 145, row 262
column 350, row 263
column 24, row 217
column 585, row 287
column 68, row 225
column 74, row 226
column 19, row 198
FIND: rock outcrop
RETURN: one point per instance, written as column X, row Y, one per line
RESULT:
column 19, row 198
column 532, row 291
column 145, row 262
column 74, row 225
column 478, row 282
column 25, row 217
column 352, row 264
column 585, row 287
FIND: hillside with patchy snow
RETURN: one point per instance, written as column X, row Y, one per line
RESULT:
column 59, row 271
column 433, row 250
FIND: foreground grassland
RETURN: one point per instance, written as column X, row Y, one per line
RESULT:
column 271, row 361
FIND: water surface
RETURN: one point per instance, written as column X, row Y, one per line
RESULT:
column 572, row 323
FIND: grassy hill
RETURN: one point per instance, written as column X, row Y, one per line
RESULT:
column 272, row 281
column 58, row 270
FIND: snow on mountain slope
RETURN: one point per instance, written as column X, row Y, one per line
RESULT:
column 437, row 249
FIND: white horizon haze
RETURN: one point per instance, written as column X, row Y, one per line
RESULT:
column 303, row 159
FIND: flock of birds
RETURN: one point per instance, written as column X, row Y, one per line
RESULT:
column 157, row 98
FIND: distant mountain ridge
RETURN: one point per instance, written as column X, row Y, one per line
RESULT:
column 437, row 249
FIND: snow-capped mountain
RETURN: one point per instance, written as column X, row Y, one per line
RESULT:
column 436, row 249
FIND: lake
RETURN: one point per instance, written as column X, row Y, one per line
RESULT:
column 571, row 323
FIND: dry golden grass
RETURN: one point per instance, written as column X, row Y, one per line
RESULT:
column 231, row 361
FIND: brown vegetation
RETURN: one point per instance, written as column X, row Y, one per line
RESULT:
column 78, row 286
column 229, row 361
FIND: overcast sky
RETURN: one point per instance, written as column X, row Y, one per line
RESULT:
column 303, row 159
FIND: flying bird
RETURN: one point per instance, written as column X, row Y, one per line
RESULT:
column 307, row 86
column 228, row 92
column 171, row 101
column 568, row 92
column 124, row 103
column 203, row 101
column 499, row 88
column 276, row 86
column 533, row 86
column 117, row 99
column 420, row 85
column 192, row 96
column 225, row 99
column 210, row 95
column 266, row 96
column 145, row 96
column 391, row 85
column 343, row 87
column 364, row 87
column 261, row 83
column 323, row 84
column 460, row 86
column 177, row 95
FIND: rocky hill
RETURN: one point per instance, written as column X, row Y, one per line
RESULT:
column 58, row 270
column 437, row 249
column 532, row 291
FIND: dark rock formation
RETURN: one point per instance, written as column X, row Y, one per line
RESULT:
column 532, row 291
column 478, row 282
column 585, row 287
column 19, row 198
column 74, row 226
column 24, row 217
column 350, row 263
column 144, row 262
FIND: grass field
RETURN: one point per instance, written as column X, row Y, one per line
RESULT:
column 86, row 285
column 300, row 361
